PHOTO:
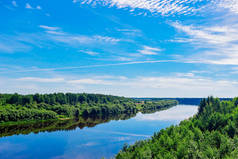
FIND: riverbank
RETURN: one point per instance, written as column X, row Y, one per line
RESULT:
column 15, row 108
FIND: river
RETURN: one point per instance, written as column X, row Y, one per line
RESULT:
column 88, row 139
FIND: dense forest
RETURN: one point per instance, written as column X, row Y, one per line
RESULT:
column 16, row 107
column 212, row 133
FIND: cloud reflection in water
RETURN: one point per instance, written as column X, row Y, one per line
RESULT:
column 176, row 113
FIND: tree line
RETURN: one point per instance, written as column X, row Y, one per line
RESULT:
column 212, row 133
column 16, row 107
column 186, row 101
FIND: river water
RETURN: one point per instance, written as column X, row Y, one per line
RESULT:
column 88, row 139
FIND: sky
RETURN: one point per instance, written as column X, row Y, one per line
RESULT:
column 132, row 48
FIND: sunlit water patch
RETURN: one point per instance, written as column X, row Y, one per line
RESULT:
column 102, row 140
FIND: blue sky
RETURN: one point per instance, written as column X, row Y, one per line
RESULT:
column 133, row 48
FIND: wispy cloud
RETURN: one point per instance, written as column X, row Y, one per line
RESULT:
column 49, row 27
column 92, row 53
column 53, row 32
column 52, row 36
column 231, row 5
column 154, row 6
column 44, row 80
column 213, row 35
column 190, row 74
column 149, row 50
column 167, row 8
column 220, row 43
column 56, row 34
column 76, row 40
column 89, row 66
column 29, row 6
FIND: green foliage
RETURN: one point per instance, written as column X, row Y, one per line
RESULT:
column 212, row 133
column 16, row 107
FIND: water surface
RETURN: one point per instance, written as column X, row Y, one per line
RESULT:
column 103, row 138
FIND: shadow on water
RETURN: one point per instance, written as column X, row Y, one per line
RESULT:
column 64, row 125
column 59, row 125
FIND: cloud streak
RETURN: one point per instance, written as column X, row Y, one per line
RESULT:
column 43, row 80
column 182, row 7
column 52, row 36
column 49, row 27
column 90, row 66
column 149, row 50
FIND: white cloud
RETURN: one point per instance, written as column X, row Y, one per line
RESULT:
column 92, row 53
column 55, row 32
column 190, row 74
column 149, row 50
column 111, row 77
column 44, row 80
column 231, row 5
column 220, row 43
column 75, row 40
column 106, row 39
column 154, row 6
column 49, row 27
column 167, row 7
column 28, row 6
column 212, row 35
